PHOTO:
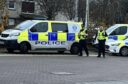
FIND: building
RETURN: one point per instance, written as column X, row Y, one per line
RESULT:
column 20, row 10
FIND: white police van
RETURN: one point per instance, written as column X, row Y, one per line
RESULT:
column 42, row 35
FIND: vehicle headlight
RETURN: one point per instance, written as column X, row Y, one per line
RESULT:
column 15, row 34
column 117, row 44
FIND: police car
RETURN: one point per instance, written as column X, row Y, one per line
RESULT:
column 115, row 33
column 119, row 47
column 41, row 34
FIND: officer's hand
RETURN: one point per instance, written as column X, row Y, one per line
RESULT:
column 86, row 34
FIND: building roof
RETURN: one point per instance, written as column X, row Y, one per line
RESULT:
column 33, row 17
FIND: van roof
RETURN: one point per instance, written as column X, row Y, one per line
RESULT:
column 37, row 21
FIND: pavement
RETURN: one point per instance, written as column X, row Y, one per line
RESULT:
column 52, row 68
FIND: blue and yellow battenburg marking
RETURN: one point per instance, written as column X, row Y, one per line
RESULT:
column 121, row 37
column 53, row 36
column 123, row 44
column 126, row 43
column 113, row 37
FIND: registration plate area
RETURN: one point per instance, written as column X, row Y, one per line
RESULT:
column 2, row 42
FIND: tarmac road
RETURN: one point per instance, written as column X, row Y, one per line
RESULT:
column 52, row 68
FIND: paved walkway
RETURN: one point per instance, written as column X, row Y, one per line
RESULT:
column 106, row 82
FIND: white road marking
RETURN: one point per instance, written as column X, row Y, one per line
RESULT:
column 106, row 82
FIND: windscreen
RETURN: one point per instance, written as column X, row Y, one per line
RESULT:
column 24, row 25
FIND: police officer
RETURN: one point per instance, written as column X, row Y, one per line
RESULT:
column 101, row 36
column 83, row 41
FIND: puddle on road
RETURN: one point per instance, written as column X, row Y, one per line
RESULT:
column 62, row 73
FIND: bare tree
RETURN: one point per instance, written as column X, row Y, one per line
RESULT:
column 107, row 11
column 82, row 10
column 49, row 7
column 3, row 17
column 2, row 6
column 69, row 8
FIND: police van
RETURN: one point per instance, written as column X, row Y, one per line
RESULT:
column 115, row 33
column 42, row 35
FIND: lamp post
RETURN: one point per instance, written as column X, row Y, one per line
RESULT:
column 76, row 10
column 87, row 14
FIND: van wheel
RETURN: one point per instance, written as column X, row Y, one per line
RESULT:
column 10, row 50
column 60, row 52
column 23, row 48
column 74, row 49
column 124, row 51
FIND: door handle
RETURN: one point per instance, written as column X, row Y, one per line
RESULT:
column 46, row 34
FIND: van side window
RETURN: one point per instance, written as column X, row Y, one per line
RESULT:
column 63, row 27
column 120, row 31
column 40, row 27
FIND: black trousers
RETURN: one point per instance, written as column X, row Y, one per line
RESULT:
column 83, row 45
column 101, row 48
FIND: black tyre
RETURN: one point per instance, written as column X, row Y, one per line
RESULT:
column 10, row 50
column 60, row 52
column 124, row 51
column 74, row 49
column 23, row 48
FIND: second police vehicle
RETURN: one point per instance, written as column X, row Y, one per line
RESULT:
column 116, row 32
column 119, row 47
column 117, row 41
column 39, row 34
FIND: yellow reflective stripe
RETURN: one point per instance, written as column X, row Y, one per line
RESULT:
column 121, row 37
column 106, row 38
column 76, row 37
column 100, row 35
column 49, row 27
column 122, row 44
column 42, row 37
column 62, row 37
column 23, row 36
column 82, row 35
